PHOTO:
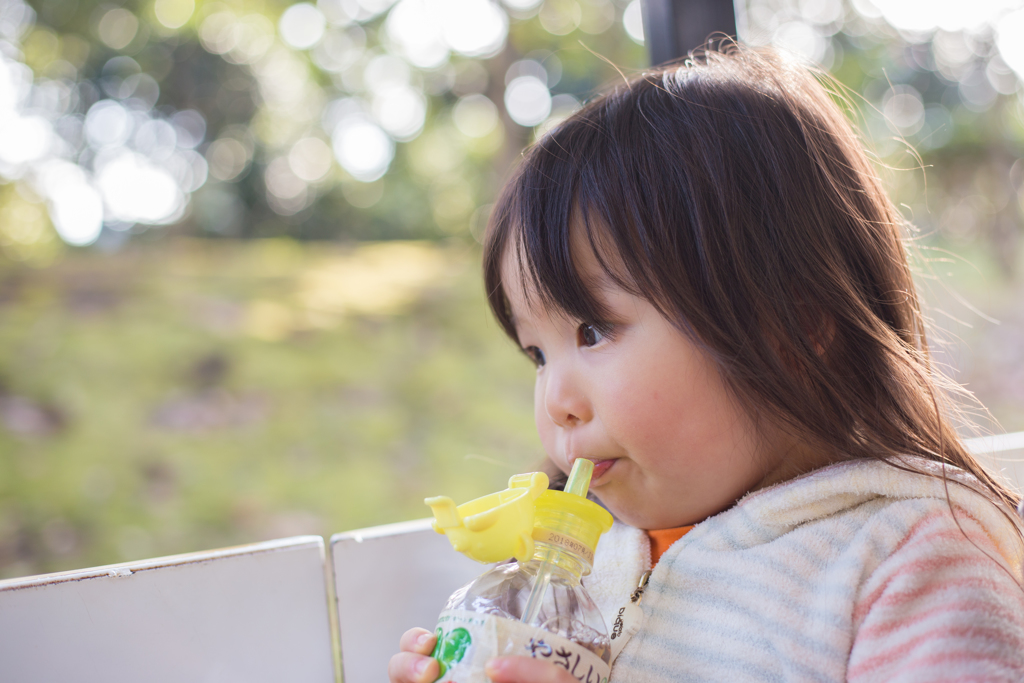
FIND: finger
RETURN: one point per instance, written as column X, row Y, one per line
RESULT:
column 408, row 667
column 526, row 670
column 418, row 640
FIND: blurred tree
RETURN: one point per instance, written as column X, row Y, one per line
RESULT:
column 337, row 120
column 380, row 119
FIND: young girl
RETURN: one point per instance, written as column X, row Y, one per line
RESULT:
column 712, row 284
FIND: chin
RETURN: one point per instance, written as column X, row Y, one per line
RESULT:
column 636, row 518
column 621, row 514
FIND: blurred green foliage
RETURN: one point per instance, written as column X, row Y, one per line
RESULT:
column 152, row 406
column 260, row 98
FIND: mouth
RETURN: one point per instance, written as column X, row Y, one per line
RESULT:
column 600, row 468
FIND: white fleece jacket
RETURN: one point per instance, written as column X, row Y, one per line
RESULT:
column 854, row 572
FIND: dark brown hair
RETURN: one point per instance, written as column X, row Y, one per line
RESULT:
column 732, row 193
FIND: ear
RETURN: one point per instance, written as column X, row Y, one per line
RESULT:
column 818, row 328
column 822, row 334
column 817, row 324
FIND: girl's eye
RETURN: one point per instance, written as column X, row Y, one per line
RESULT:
column 535, row 354
column 588, row 335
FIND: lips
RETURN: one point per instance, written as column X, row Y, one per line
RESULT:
column 600, row 467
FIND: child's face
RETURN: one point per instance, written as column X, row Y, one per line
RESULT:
column 670, row 446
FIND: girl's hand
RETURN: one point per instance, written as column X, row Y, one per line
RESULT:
column 526, row 670
column 413, row 664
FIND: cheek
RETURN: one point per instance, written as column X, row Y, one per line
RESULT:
column 540, row 415
column 538, row 403
column 659, row 404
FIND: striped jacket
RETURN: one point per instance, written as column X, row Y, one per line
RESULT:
column 854, row 572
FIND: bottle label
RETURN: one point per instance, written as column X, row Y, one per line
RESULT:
column 563, row 541
column 467, row 640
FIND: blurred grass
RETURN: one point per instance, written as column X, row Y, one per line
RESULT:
column 170, row 399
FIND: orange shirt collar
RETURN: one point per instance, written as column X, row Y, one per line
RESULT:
column 661, row 539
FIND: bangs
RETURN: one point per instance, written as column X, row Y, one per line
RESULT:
column 572, row 191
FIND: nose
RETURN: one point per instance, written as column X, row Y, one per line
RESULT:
column 565, row 398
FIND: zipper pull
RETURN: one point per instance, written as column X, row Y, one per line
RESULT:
column 639, row 592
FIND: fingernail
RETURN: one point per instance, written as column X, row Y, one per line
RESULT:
column 496, row 665
column 421, row 667
column 424, row 638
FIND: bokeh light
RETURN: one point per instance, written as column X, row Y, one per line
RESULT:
column 802, row 39
column 339, row 49
column 76, row 208
column 475, row 115
column 227, row 158
column 947, row 15
column 108, row 124
column 401, row 111
column 560, row 17
column 1010, row 39
column 633, row 21
column 475, row 28
column 287, row 193
column 522, row 8
column 302, row 26
column 903, row 107
column 310, row 159
column 117, row 27
column 416, row 32
column 362, row 148
column 174, row 13
column 189, row 127
column 135, row 190
column 426, row 30
column 527, row 100
column 23, row 139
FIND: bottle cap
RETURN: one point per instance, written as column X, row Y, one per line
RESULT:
column 505, row 524
column 568, row 520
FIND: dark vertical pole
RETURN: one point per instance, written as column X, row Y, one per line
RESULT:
column 674, row 27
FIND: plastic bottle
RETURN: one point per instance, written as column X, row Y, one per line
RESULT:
column 535, row 606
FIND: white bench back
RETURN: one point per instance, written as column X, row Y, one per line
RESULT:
column 251, row 614
column 1002, row 453
column 388, row 579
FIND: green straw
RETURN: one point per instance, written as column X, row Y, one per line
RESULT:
column 579, row 478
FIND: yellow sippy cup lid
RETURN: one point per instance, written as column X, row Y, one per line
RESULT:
column 495, row 527
column 505, row 524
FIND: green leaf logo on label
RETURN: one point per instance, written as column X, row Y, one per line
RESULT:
column 451, row 648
